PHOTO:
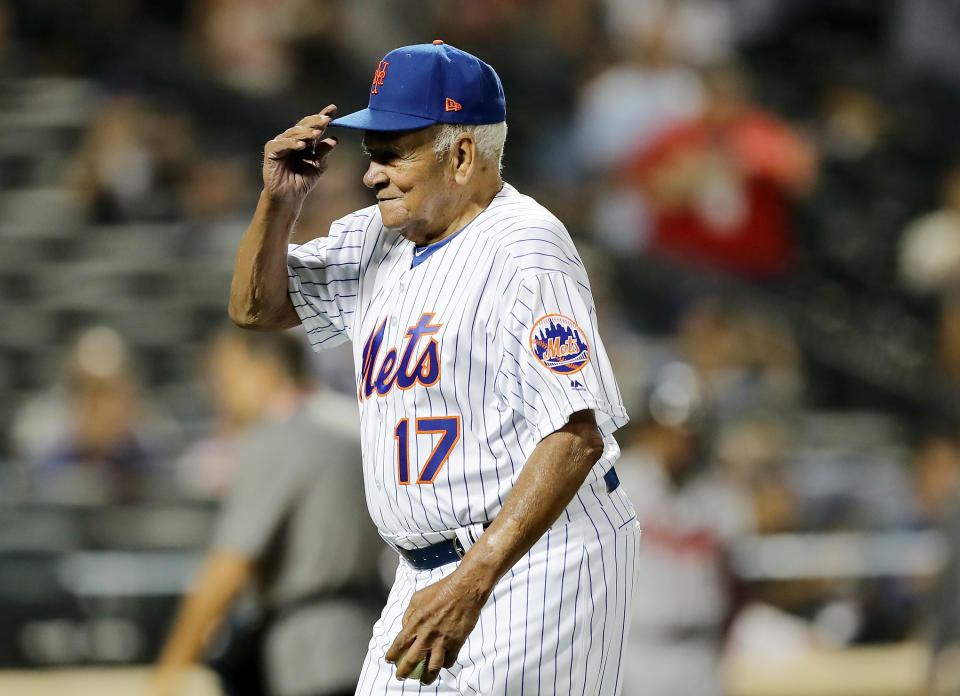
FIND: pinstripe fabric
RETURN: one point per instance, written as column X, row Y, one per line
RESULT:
column 512, row 264
column 555, row 624
column 496, row 332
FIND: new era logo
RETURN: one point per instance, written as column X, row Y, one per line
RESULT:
column 453, row 106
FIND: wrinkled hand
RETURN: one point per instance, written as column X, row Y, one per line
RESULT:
column 436, row 625
column 294, row 161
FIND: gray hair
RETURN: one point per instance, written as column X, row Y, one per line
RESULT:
column 489, row 138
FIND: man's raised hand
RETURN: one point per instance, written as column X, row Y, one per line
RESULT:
column 295, row 159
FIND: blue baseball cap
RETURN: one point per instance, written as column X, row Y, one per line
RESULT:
column 417, row 86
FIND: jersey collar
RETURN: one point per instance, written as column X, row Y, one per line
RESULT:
column 422, row 253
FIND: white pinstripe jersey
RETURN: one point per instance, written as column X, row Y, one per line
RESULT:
column 464, row 359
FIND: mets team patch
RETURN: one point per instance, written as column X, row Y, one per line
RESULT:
column 559, row 344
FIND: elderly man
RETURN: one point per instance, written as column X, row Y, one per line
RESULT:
column 486, row 397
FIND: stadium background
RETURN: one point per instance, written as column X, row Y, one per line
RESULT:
column 822, row 380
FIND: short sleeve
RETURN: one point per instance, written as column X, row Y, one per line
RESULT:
column 324, row 281
column 554, row 363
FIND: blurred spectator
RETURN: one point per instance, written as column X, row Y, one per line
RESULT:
column 895, row 605
column 930, row 267
column 935, row 469
column 207, row 467
column 618, row 112
column 943, row 605
column 131, row 161
column 98, row 445
column 853, row 123
column 689, row 518
column 293, row 524
column 745, row 359
column 925, row 42
column 251, row 45
column 750, row 456
column 699, row 32
column 864, row 189
column 632, row 99
column 927, row 38
column 930, row 245
column 213, row 191
column 719, row 185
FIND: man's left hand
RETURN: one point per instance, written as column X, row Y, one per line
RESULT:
column 436, row 625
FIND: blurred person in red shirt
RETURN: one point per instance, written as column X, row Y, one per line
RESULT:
column 719, row 185
column 643, row 90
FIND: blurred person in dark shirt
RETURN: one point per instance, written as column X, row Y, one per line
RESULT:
column 751, row 456
column 293, row 525
column 131, row 161
column 936, row 474
column 102, row 449
column 746, row 359
column 719, row 185
column 925, row 39
column 935, row 480
column 212, row 193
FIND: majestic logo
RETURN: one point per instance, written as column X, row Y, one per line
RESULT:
column 378, row 75
column 559, row 344
column 453, row 106
column 379, row 377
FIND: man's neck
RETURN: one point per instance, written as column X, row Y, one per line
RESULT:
column 472, row 206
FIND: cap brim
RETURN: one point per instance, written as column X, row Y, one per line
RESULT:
column 376, row 120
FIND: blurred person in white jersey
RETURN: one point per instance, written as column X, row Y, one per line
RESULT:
column 690, row 516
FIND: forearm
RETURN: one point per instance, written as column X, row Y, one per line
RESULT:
column 223, row 575
column 258, row 293
column 546, row 485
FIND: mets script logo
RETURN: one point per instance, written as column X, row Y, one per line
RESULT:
column 380, row 376
column 378, row 76
column 559, row 344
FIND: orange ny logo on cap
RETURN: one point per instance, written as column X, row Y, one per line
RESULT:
column 452, row 105
column 381, row 72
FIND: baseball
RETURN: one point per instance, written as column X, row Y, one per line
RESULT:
column 418, row 671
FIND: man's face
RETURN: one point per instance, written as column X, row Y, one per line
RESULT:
column 413, row 189
column 239, row 383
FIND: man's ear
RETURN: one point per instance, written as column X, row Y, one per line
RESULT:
column 463, row 158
